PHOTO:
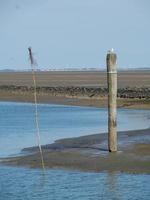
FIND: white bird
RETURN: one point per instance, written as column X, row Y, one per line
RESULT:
column 112, row 50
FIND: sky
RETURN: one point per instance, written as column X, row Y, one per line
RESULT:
column 74, row 33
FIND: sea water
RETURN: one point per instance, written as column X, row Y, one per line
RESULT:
column 17, row 123
column 30, row 184
column 17, row 131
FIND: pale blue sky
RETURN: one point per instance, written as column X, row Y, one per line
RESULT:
column 74, row 33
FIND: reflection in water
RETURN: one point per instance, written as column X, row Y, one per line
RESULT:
column 29, row 184
column 112, row 186
column 40, row 183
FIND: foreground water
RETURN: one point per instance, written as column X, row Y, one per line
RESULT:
column 24, row 184
column 17, row 131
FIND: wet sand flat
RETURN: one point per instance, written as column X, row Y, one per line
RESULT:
column 136, row 78
column 89, row 153
column 86, row 79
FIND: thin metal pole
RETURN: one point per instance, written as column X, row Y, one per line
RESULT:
column 111, row 61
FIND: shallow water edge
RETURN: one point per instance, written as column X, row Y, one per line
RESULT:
column 89, row 153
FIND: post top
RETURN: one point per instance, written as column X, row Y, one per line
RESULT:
column 111, row 51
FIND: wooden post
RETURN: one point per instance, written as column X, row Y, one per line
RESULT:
column 111, row 61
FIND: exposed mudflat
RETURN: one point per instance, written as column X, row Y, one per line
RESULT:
column 128, row 78
column 89, row 153
column 84, row 88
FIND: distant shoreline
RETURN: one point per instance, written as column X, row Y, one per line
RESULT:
column 75, row 78
column 78, row 88
column 73, row 96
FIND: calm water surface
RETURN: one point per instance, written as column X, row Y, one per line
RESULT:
column 17, row 125
column 17, row 131
column 25, row 184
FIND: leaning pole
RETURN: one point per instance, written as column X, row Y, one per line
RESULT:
column 111, row 62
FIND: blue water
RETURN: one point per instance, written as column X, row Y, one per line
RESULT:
column 17, row 130
column 25, row 184
column 17, row 125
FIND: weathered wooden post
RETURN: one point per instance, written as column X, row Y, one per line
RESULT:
column 111, row 61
